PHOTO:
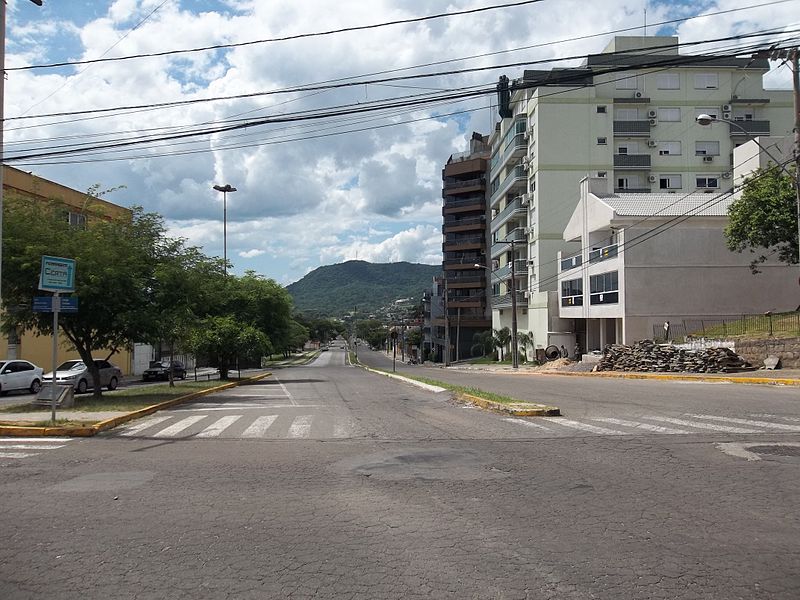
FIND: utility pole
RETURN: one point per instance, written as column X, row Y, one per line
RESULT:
column 446, row 328
column 793, row 56
column 514, row 357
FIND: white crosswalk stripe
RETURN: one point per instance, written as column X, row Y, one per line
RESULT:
column 219, row 426
column 139, row 427
column 20, row 447
column 301, row 427
column 644, row 426
column 180, row 426
column 764, row 424
column 698, row 425
column 526, row 423
column 582, row 426
column 259, row 426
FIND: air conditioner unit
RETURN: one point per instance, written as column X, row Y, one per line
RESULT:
column 708, row 159
column 638, row 94
column 726, row 108
column 726, row 175
column 726, row 115
column 652, row 143
column 651, row 114
column 495, row 265
column 653, row 122
column 651, row 178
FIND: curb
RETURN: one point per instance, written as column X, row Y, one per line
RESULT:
column 91, row 430
column 424, row 386
column 664, row 377
column 520, row 409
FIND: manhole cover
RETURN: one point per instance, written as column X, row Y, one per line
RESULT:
column 776, row 450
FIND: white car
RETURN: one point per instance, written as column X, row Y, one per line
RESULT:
column 76, row 372
column 20, row 375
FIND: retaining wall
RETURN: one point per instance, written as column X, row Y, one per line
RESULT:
column 755, row 351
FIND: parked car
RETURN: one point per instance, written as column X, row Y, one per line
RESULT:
column 76, row 372
column 20, row 375
column 160, row 370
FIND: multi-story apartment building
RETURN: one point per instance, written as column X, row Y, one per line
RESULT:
column 464, row 229
column 627, row 115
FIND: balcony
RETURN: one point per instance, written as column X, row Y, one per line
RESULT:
column 571, row 262
column 504, row 300
column 466, row 302
column 453, row 225
column 632, row 128
column 517, row 147
column 517, row 177
column 454, row 184
column 473, row 242
column 631, row 161
column 461, row 202
column 520, row 269
column 514, row 208
column 603, row 253
column 632, row 190
column 516, row 235
column 751, row 128
column 468, row 282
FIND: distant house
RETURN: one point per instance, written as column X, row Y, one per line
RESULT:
column 78, row 208
column 640, row 262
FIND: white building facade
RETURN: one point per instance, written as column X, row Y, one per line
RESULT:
column 626, row 115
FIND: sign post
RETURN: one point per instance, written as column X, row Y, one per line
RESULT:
column 56, row 275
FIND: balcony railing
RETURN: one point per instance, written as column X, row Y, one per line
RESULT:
column 516, row 235
column 520, row 269
column 631, row 161
column 517, row 176
column 632, row 128
column 750, row 128
column 504, row 300
column 451, row 203
column 632, row 190
column 454, row 280
column 459, row 240
column 464, row 222
column 571, row 262
column 572, row 300
column 517, row 147
column 513, row 207
column 603, row 253
column 464, row 183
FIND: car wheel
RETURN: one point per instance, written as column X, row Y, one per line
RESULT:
column 183, row 375
column 36, row 385
column 112, row 385
column 82, row 386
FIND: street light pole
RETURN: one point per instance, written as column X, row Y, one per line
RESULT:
column 225, row 189
column 514, row 358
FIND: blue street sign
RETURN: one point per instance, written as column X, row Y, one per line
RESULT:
column 57, row 274
column 43, row 304
column 66, row 304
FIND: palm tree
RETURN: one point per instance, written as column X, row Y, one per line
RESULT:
column 501, row 339
column 523, row 341
column 482, row 343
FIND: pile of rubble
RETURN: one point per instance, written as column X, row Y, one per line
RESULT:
column 648, row 356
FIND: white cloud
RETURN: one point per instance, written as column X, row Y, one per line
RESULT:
column 251, row 253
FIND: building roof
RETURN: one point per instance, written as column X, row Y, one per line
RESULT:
column 668, row 205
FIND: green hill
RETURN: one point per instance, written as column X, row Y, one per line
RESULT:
column 334, row 290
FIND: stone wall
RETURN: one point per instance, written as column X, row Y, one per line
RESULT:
column 755, row 351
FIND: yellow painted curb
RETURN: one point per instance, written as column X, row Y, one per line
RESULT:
column 670, row 377
column 519, row 409
column 90, row 430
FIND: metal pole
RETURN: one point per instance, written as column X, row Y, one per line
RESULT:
column 446, row 328
column 796, row 86
column 514, row 358
column 225, row 230
column 2, row 127
column 394, row 355
column 53, row 394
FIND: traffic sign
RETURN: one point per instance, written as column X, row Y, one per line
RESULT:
column 43, row 304
column 67, row 304
column 57, row 274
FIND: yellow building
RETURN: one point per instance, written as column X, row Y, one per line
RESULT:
column 38, row 349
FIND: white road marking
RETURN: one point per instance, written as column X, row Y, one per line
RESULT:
column 134, row 429
column 179, row 426
column 218, row 426
column 17, row 454
column 4, row 446
column 582, row 426
column 301, row 427
column 285, row 391
column 259, row 427
column 645, row 426
column 781, row 417
column 764, row 424
column 35, row 439
column 526, row 423
column 697, row 425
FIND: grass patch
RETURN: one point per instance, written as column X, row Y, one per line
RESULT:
column 460, row 389
column 125, row 400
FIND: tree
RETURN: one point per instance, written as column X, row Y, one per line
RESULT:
column 501, row 339
column 224, row 339
column 116, row 259
column 482, row 343
column 523, row 341
column 764, row 219
column 261, row 302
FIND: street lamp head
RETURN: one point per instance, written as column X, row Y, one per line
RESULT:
column 225, row 188
column 704, row 119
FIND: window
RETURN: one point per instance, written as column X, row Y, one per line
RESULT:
column 668, row 81
column 743, row 115
column 601, row 110
column 706, row 81
column 707, row 181
column 533, row 183
column 626, row 114
column 706, row 148
column 669, row 182
column 711, row 111
column 604, row 288
column 628, row 148
column 669, row 148
column 601, row 141
column 76, row 220
column 602, row 174
column 628, row 83
column 669, row 114
column 572, row 292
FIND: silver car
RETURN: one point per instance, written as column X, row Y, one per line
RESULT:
column 19, row 375
column 76, row 372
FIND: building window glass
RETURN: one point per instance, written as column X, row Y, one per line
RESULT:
column 604, row 288
column 601, row 109
column 601, row 141
column 668, row 81
column 669, row 114
column 669, row 182
column 712, row 111
column 706, row 148
column 707, row 181
column 706, row 81
column 572, row 292
column 626, row 114
column 669, row 148
column 628, row 83
column 77, row 220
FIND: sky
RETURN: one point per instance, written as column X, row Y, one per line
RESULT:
column 309, row 192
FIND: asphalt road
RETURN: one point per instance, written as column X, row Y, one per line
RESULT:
column 327, row 481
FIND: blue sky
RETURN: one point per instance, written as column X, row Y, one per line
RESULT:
column 311, row 193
